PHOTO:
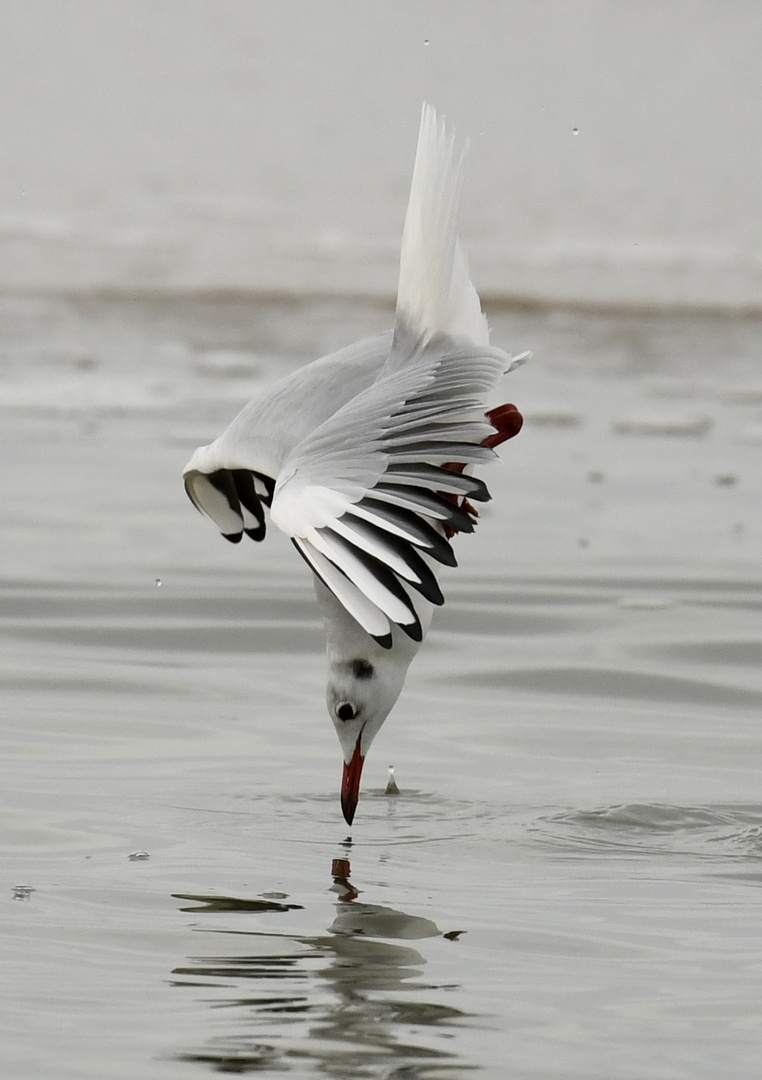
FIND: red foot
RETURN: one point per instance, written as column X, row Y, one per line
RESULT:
column 507, row 421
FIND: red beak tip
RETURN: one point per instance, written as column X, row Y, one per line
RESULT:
column 350, row 785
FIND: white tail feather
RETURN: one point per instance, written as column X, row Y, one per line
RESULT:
column 435, row 292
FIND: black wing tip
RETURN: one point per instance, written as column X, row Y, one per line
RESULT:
column 237, row 488
column 425, row 581
column 386, row 577
column 413, row 630
column 480, row 491
column 427, row 538
column 429, row 475
column 445, row 555
column 428, row 504
column 429, row 590
column 461, row 522
column 385, row 641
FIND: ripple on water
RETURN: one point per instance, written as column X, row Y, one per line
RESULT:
column 738, row 653
column 462, row 618
column 708, row 832
column 156, row 623
column 256, row 636
column 411, row 817
column 614, row 683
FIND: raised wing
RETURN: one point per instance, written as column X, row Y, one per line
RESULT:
column 370, row 497
column 361, row 456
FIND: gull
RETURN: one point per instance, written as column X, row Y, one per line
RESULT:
column 364, row 459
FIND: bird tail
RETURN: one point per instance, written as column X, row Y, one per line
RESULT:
column 435, row 291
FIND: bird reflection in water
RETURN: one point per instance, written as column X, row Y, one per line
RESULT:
column 340, row 871
column 345, row 1003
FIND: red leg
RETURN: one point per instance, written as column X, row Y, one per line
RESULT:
column 507, row 422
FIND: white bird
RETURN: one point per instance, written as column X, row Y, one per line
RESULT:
column 361, row 458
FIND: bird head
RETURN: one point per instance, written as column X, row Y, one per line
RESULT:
column 361, row 693
column 364, row 681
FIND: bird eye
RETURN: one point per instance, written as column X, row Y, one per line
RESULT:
column 345, row 711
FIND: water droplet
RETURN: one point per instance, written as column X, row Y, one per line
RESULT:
column 138, row 856
column 21, row 892
column 391, row 786
column 425, row 41
column 157, row 582
column 575, row 131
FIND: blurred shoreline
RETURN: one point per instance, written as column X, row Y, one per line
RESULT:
column 496, row 303
column 267, row 148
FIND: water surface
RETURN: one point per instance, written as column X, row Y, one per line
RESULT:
column 565, row 885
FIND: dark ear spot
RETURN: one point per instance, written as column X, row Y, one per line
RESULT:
column 363, row 669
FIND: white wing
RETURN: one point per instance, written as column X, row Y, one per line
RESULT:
column 366, row 497
column 435, row 292
column 231, row 479
column 361, row 455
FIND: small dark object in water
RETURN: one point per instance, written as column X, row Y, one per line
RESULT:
column 391, row 787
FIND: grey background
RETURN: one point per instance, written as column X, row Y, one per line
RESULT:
column 152, row 145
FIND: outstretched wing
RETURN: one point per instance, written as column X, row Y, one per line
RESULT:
column 361, row 456
column 370, row 495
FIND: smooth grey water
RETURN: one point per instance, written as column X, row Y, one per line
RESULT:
column 567, row 884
